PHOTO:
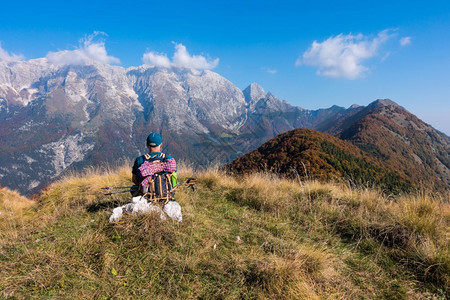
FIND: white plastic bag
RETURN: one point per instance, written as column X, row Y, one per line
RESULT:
column 116, row 214
column 173, row 210
column 137, row 206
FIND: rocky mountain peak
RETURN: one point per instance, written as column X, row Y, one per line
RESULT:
column 353, row 106
column 383, row 102
column 253, row 93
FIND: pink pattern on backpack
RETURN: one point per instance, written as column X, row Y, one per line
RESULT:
column 170, row 165
column 148, row 169
column 145, row 182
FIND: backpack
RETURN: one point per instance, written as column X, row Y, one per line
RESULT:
column 158, row 179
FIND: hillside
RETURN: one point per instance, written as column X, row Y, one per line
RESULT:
column 309, row 154
column 256, row 237
column 391, row 133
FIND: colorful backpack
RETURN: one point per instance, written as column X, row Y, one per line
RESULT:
column 158, row 176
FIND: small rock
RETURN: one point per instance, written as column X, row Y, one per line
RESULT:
column 238, row 239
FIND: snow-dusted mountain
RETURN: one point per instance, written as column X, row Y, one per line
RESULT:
column 54, row 118
column 59, row 117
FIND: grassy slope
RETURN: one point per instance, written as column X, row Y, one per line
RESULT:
column 297, row 240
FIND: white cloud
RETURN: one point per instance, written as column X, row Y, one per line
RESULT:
column 67, row 57
column 181, row 58
column 5, row 56
column 157, row 60
column 404, row 41
column 88, row 51
column 270, row 71
column 343, row 55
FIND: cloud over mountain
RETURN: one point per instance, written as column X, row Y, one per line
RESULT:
column 343, row 55
column 88, row 50
column 156, row 59
column 181, row 58
column 4, row 55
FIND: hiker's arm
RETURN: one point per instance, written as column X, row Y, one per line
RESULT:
column 135, row 179
column 134, row 172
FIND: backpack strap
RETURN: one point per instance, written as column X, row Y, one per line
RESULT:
column 148, row 156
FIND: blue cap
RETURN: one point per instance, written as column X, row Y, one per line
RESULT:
column 154, row 139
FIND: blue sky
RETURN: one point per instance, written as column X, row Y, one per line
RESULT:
column 364, row 50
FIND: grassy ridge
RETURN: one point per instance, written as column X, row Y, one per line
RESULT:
column 256, row 236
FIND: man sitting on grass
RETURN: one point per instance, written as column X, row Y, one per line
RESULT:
column 155, row 174
column 154, row 162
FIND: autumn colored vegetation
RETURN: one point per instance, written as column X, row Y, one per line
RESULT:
column 405, row 143
column 312, row 155
column 255, row 236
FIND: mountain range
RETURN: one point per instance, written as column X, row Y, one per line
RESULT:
column 56, row 118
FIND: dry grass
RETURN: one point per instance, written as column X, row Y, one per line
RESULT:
column 13, row 205
column 15, row 212
column 252, row 237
